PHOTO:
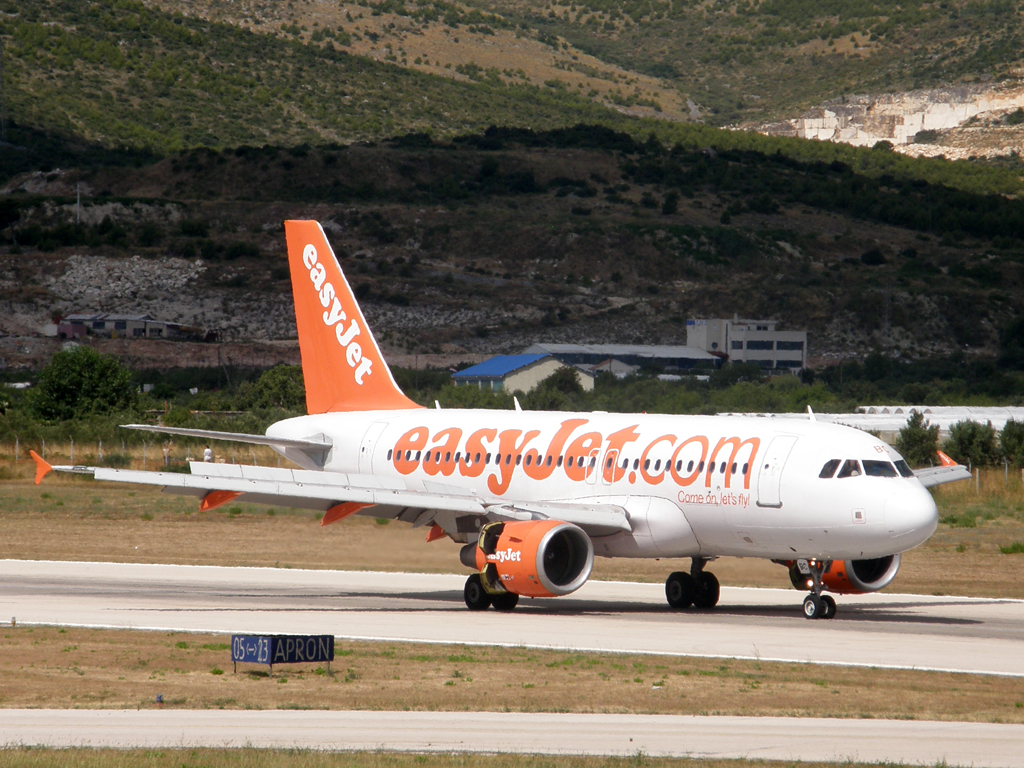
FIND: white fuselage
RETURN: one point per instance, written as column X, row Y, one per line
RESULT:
column 692, row 485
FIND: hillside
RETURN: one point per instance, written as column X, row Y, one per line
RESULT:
column 717, row 62
column 494, row 241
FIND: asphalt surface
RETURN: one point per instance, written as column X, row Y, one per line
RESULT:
column 982, row 636
column 763, row 738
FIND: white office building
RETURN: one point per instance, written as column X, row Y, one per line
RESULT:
column 749, row 341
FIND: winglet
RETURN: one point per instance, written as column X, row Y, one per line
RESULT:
column 43, row 468
column 946, row 461
column 810, row 414
column 342, row 365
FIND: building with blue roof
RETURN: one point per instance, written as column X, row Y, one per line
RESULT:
column 514, row 373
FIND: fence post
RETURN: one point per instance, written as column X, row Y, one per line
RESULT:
column 143, row 455
column 72, row 451
column 977, row 480
column 232, row 453
column 100, row 453
column 16, row 447
column 44, row 446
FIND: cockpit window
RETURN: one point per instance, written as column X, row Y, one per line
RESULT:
column 904, row 468
column 830, row 468
column 875, row 468
column 850, row 468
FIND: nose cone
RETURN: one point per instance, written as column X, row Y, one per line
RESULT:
column 911, row 517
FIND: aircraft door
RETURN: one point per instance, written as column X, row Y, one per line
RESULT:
column 769, row 478
column 608, row 467
column 367, row 446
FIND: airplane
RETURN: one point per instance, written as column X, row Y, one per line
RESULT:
column 534, row 496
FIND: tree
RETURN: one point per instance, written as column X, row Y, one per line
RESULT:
column 79, row 382
column 280, row 387
column 918, row 441
column 972, row 442
column 566, row 379
column 1011, row 440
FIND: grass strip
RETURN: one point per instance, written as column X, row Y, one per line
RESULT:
column 51, row 667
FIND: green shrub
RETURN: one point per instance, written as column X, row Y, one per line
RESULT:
column 972, row 443
column 918, row 441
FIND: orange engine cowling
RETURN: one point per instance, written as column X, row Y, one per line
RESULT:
column 852, row 577
column 540, row 558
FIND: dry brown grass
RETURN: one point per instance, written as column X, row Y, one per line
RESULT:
column 76, row 518
column 114, row 669
column 267, row 758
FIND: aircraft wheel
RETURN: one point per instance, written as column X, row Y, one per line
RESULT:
column 828, row 607
column 476, row 596
column 505, row 602
column 680, row 589
column 813, row 607
column 707, row 592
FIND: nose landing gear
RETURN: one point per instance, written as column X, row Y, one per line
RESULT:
column 698, row 588
column 817, row 605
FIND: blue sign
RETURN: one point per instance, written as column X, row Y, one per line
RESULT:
column 282, row 649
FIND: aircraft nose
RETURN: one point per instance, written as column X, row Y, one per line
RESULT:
column 911, row 517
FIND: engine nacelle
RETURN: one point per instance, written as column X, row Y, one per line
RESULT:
column 852, row 577
column 540, row 558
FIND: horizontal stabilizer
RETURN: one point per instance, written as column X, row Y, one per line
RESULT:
column 234, row 437
column 932, row 476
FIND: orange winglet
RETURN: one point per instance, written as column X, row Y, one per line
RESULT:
column 946, row 461
column 215, row 499
column 436, row 532
column 43, row 467
column 341, row 511
column 342, row 365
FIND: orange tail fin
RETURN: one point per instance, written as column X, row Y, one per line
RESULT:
column 341, row 362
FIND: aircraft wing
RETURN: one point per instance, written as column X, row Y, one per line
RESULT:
column 339, row 495
column 947, row 472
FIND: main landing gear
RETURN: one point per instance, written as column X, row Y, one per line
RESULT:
column 698, row 588
column 479, row 599
column 817, row 605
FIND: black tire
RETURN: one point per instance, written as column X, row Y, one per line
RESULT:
column 707, row 592
column 505, row 602
column 813, row 607
column 475, row 595
column 828, row 607
column 680, row 589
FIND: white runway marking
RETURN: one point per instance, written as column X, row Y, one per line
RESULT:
column 763, row 738
column 954, row 634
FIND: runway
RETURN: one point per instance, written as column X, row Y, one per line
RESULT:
column 954, row 634
column 767, row 738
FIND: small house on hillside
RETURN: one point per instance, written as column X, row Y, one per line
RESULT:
column 116, row 326
column 517, row 373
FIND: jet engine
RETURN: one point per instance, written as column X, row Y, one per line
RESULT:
column 539, row 558
column 852, row 577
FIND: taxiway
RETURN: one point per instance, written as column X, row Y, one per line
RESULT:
column 956, row 634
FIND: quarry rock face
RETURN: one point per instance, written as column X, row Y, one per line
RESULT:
column 899, row 118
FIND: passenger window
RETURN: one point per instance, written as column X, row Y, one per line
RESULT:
column 721, row 468
column 745, row 468
column 487, row 459
column 647, row 464
column 689, row 467
column 497, row 458
column 608, row 464
column 548, row 462
column 875, row 468
column 904, row 468
column 519, row 460
column 447, row 457
column 559, row 461
column 529, row 460
column 850, row 469
column 508, row 459
column 476, row 459
column 734, row 467
column 829, row 469
column 657, row 465
column 700, row 467
column 390, row 452
column 636, row 463
column 593, row 461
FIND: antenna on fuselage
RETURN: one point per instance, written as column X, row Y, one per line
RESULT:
column 437, row 404
column 810, row 414
column 516, row 401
